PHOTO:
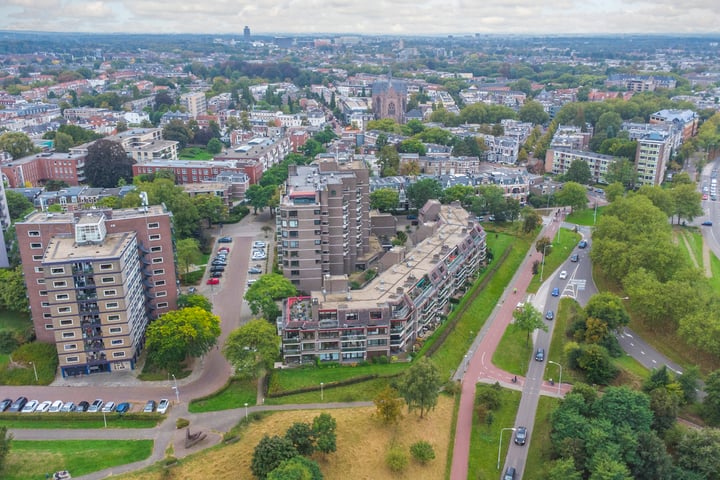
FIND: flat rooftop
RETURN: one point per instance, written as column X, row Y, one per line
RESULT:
column 70, row 217
column 62, row 248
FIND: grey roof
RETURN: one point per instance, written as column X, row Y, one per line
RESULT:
column 384, row 86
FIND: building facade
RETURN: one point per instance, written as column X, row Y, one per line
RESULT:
column 652, row 157
column 389, row 99
column 558, row 161
column 95, row 279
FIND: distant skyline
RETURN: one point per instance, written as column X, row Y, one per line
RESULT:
column 391, row 17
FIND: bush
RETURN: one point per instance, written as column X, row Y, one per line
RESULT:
column 396, row 460
column 182, row 423
column 452, row 387
column 422, row 451
column 192, row 278
column 8, row 342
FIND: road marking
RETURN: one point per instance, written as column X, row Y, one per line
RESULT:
column 628, row 335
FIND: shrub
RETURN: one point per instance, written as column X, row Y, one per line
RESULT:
column 181, row 423
column 422, row 451
column 452, row 387
column 396, row 460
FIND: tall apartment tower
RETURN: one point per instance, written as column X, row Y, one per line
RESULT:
column 651, row 157
column 246, row 33
column 323, row 224
column 95, row 279
column 5, row 222
column 195, row 103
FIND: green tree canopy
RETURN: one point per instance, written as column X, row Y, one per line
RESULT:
column 579, row 172
column 533, row 112
column 252, row 348
column 18, row 204
column 573, row 195
column 388, row 405
column 16, row 144
column 609, row 308
column 384, row 199
column 13, row 293
column 528, row 318
column 325, row 426
column 388, row 160
column 188, row 300
column 262, row 295
column 297, row 468
column 269, row 454
column 106, row 163
column 423, row 190
column 420, row 385
column 188, row 253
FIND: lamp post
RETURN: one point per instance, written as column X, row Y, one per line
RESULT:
column 322, row 394
column 560, row 380
column 175, row 387
column 500, row 443
column 34, row 371
column 542, row 268
column 246, row 412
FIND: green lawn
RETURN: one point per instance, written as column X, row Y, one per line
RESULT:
column 695, row 240
column 364, row 391
column 584, row 217
column 540, row 451
column 484, row 439
column 294, row 378
column 194, row 153
column 79, row 420
column 35, row 459
column 513, row 353
column 14, row 320
column 715, row 267
column 560, row 251
column 563, row 316
column 235, row 395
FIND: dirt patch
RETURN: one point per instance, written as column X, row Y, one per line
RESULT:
column 361, row 445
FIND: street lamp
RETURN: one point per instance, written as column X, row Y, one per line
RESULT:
column 560, row 380
column 322, row 395
column 34, row 371
column 175, row 387
column 500, row 443
column 542, row 268
column 246, row 413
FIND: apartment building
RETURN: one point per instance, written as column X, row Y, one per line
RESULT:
column 35, row 170
column 323, row 224
column 195, row 103
column 95, row 279
column 142, row 144
column 652, row 157
column 406, row 301
column 684, row 121
column 558, row 161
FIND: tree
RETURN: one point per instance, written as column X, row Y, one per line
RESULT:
column 5, row 442
column 302, row 437
column 572, row 194
column 688, row 382
column 177, row 130
column 711, row 402
column 269, row 453
column 388, row 160
column 609, row 308
column 106, row 163
column 176, row 335
column 194, row 300
column 563, row 469
column 531, row 219
column 252, row 348
column 214, row 146
column 13, row 293
column 613, row 191
column 384, row 199
column 262, row 295
column 528, row 318
column 699, row 451
column 665, row 406
column 324, row 426
column 297, row 468
column 621, row 170
column 388, row 405
column 423, row 190
column 16, row 144
column 188, row 253
column 63, row 142
column 420, row 385
column 412, row 146
column 18, row 204
column 687, row 201
column 210, row 207
column 258, row 197
column 533, row 112
column 544, row 245
column 579, row 172
column 661, row 197
column 594, row 360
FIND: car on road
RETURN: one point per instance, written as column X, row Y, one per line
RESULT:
column 555, row 292
column 509, row 474
column 563, row 275
column 95, row 406
column 540, row 354
column 705, row 196
column 30, row 406
column 213, row 281
column 225, row 240
column 520, row 435
column 583, row 244
column 259, row 244
column 5, row 404
column 575, row 257
column 707, row 223
column 149, row 406
column 44, row 406
column 254, row 270
column 68, row 407
column 123, row 407
column 550, row 315
column 83, row 406
column 108, row 407
column 163, row 405
column 56, row 406
column 18, row 404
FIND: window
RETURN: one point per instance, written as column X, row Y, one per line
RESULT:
column 64, row 310
column 155, row 237
column 39, row 269
column 43, row 293
column 294, row 233
column 156, row 249
column 45, row 304
column 110, row 293
column 68, row 335
column 108, row 279
column 118, row 354
column 153, row 225
column 70, row 346
column 33, row 233
column 294, row 244
column 157, row 260
column 293, row 223
column 116, row 330
column 36, row 245
column 49, row 326
column 117, row 341
column 113, row 318
column 106, row 266
column 37, row 258
column 59, row 284
column 72, row 359
column 111, row 305
column 294, row 272
column 160, row 283
column 66, row 322
column 47, row 315
column 57, row 270
column 62, row 296
column 159, row 271
column 162, row 305
column 161, row 294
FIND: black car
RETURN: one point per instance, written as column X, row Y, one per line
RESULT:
column 218, row 263
column 225, row 240
column 82, row 406
column 217, row 268
column 520, row 436
column 18, row 404
column 216, row 275
column 509, row 474
column 540, row 354
column 5, row 404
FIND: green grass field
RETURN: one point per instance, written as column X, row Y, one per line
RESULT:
column 194, row 153
column 513, row 353
column 35, row 459
column 79, row 420
column 540, row 452
column 364, row 391
column 14, row 320
column 562, row 247
column 235, row 395
column 585, row 217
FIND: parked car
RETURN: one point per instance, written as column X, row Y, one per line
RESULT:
column 56, row 406
column 108, row 407
column 217, row 268
column 95, row 406
column 255, row 270
column 563, row 275
column 83, row 406
column 509, row 474
column 44, row 406
column 540, row 354
column 259, row 244
column 18, row 404
column 224, row 250
column 149, row 406
column 575, row 257
column 216, row 275
column 213, row 281
column 555, row 292
column 30, row 406
column 257, row 255
column 550, row 315
column 163, row 405
column 251, row 281
column 582, row 244
column 219, row 263
column 192, row 290
column 123, row 407
column 707, row 223
column 225, row 240
column 68, row 407
column 411, row 217
column 5, row 404
column 520, row 435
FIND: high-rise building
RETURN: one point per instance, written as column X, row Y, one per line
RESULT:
column 651, row 157
column 195, row 103
column 95, row 279
column 246, row 33
column 323, row 224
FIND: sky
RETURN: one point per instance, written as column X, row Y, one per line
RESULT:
column 391, row 17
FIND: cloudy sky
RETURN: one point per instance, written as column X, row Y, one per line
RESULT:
column 401, row 17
